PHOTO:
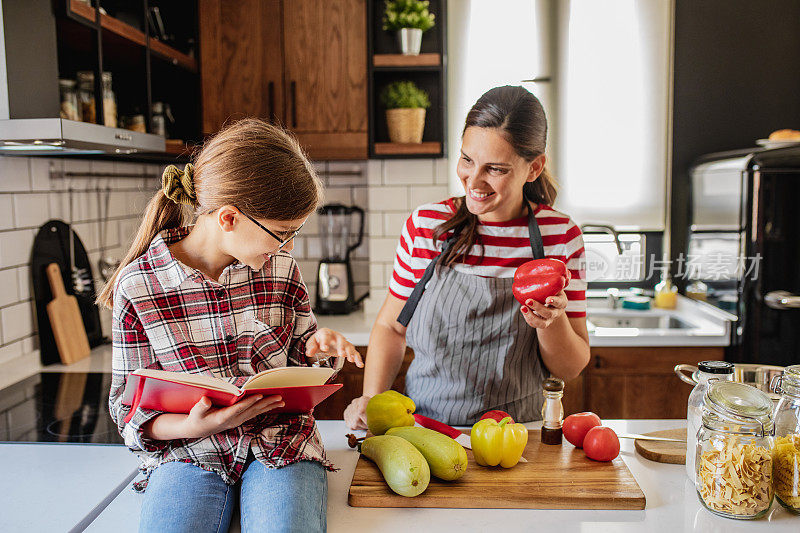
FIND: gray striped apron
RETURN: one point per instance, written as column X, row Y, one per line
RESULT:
column 473, row 350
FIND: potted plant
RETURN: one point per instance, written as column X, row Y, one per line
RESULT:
column 409, row 18
column 405, row 111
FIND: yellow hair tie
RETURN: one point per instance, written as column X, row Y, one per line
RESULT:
column 178, row 185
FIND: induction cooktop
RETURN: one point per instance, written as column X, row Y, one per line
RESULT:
column 58, row 407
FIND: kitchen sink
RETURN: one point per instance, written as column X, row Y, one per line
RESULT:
column 641, row 322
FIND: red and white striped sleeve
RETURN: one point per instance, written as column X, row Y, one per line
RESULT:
column 575, row 258
column 403, row 278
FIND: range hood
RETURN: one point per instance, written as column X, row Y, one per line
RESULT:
column 57, row 136
column 30, row 108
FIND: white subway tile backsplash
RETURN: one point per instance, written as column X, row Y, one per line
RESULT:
column 14, row 174
column 409, row 171
column 15, row 247
column 313, row 248
column 31, row 210
column 127, row 231
column 24, row 282
column 377, row 276
column 388, row 199
column 17, row 321
column 360, row 197
column 382, row 248
column 6, row 211
column 59, row 205
column 40, row 172
column 9, row 291
column 375, row 172
column 376, row 298
column 356, row 173
column 394, row 223
column 375, row 224
column 442, row 171
column 420, row 195
column 338, row 195
column 87, row 232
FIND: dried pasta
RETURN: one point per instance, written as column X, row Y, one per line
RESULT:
column 734, row 478
column 786, row 470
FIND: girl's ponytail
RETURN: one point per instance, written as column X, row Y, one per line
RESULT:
column 162, row 212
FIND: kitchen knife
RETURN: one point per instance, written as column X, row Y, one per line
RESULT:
column 646, row 437
column 450, row 431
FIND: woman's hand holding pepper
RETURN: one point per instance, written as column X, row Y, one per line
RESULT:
column 539, row 315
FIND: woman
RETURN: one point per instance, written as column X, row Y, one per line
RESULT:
column 450, row 295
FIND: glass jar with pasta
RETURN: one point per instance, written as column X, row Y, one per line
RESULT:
column 786, row 453
column 734, row 451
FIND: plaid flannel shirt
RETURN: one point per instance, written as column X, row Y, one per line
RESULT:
column 172, row 317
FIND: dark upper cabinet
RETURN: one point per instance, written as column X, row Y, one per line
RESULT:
column 300, row 64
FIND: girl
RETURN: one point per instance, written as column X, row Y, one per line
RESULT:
column 475, row 348
column 223, row 297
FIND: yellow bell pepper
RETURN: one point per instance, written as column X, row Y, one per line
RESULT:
column 496, row 443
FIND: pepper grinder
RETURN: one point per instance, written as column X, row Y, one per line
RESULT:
column 552, row 411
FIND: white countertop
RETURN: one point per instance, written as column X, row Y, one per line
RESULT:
column 55, row 487
column 672, row 504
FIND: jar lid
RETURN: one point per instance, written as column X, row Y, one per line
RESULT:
column 715, row 367
column 790, row 380
column 66, row 83
column 742, row 404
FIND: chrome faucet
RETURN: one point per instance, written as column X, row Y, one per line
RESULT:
column 605, row 228
column 612, row 297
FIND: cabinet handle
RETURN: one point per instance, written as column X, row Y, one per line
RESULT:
column 271, row 99
column 598, row 362
column 293, row 92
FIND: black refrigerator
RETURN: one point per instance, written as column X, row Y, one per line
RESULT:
column 744, row 244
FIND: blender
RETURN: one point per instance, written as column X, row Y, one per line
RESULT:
column 334, row 274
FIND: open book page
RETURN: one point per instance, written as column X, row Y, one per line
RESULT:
column 290, row 376
column 200, row 380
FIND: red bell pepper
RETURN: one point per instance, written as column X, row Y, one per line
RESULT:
column 539, row 279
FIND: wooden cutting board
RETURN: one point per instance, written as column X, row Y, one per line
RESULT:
column 555, row 477
column 65, row 319
column 664, row 451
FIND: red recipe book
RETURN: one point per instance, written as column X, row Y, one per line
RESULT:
column 301, row 387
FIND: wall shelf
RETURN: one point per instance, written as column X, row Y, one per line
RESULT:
column 427, row 70
column 425, row 148
column 400, row 60
column 134, row 36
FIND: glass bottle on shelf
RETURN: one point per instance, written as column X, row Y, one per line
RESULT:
column 786, row 453
column 734, row 451
column 69, row 99
column 86, row 104
column 109, row 102
column 162, row 119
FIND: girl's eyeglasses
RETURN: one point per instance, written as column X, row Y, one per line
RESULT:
column 283, row 242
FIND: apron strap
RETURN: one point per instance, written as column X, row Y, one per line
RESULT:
column 537, row 247
column 535, row 236
column 419, row 288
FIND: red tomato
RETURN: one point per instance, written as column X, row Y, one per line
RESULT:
column 497, row 415
column 601, row 444
column 576, row 426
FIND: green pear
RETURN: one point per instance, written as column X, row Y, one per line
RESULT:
column 388, row 410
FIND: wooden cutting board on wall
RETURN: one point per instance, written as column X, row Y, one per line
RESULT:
column 555, row 477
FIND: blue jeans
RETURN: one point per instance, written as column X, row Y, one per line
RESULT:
column 182, row 497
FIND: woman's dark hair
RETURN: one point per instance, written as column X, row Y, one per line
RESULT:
column 520, row 118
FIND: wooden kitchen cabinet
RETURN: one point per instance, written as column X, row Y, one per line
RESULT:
column 300, row 64
column 352, row 379
column 637, row 382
